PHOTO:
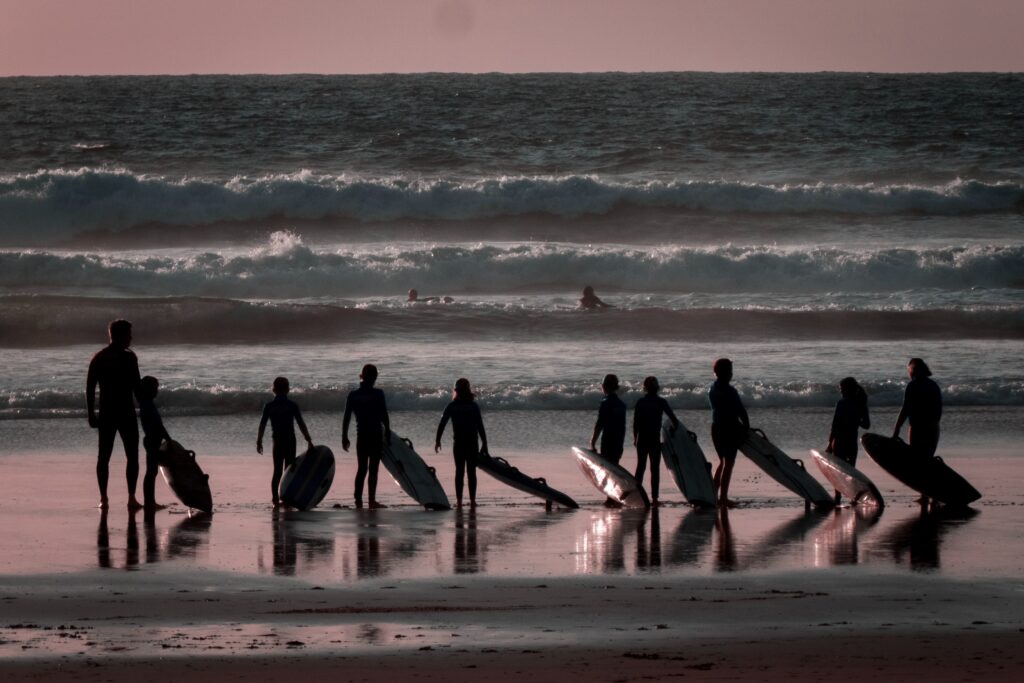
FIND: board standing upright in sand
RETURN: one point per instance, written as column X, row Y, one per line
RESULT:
column 115, row 369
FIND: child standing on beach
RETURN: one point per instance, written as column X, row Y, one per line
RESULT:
column 283, row 414
column 467, row 424
column 610, row 425
column 373, row 428
column 851, row 414
column 647, row 416
column 153, row 435
column 729, row 425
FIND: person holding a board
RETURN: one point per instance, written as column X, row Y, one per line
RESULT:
column 851, row 414
column 647, row 416
column 115, row 369
column 282, row 413
column 610, row 426
column 153, row 435
column 729, row 425
column 922, row 407
column 373, row 427
column 467, row 424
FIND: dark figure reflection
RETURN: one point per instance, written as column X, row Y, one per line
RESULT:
column 467, row 551
column 921, row 536
column 648, row 548
column 292, row 542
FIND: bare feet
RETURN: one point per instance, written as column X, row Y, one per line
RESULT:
column 133, row 503
column 104, row 503
column 359, row 504
column 276, row 503
column 374, row 505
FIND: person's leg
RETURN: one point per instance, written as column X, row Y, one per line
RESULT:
column 654, row 452
column 471, row 477
column 460, row 474
column 641, row 462
column 362, row 468
column 149, row 478
column 129, row 428
column 275, row 478
column 371, row 450
column 727, row 466
column 107, row 431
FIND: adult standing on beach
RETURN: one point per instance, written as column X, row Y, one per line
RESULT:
column 373, row 428
column 610, row 425
column 729, row 425
column 851, row 414
column 467, row 424
column 922, row 407
column 647, row 414
column 115, row 369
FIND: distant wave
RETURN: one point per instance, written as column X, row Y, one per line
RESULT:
column 287, row 268
column 58, row 204
column 226, row 400
column 31, row 321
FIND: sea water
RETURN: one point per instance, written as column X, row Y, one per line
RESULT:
column 809, row 227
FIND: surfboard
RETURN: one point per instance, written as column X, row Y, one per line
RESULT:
column 500, row 469
column 789, row 472
column 308, row 479
column 611, row 479
column 184, row 475
column 414, row 476
column 848, row 480
column 690, row 469
column 927, row 475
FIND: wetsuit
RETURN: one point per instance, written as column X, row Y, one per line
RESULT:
column 116, row 371
column 467, row 424
column 647, row 430
column 154, row 434
column 282, row 413
column 611, row 424
column 851, row 414
column 370, row 409
column 922, row 404
column 729, row 421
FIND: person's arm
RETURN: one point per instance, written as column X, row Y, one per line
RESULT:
column 636, row 426
column 263, row 427
column 832, row 430
column 90, row 394
column 385, row 418
column 302, row 425
column 744, row 418
column 445, row 416
column 598, row 427
column 480, row 430
column 136, row 377
column 345, row 443
column 865, row 417
column 672, row 416
column 904, row 414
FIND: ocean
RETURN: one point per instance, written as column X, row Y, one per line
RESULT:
column 808, row 226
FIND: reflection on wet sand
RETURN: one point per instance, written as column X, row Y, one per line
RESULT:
column 601, row 546
column 299, row 535
column 693, row 535
column 837, row 542
column 467, row 552
column 183, row 540
column 920, row 536
column 648, row 546
column 785, row 539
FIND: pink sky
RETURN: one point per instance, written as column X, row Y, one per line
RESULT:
column 46, row 37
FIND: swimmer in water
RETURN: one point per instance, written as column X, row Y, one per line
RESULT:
column 589, row 300
column 415, row 298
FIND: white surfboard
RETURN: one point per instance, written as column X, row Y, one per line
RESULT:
column 690, row 469
column 413, row 475
column 611, row 479
column 848, row 480
column 789, row 472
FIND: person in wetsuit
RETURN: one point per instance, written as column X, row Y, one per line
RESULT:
column 373, row 428
column 153, row 435
column 610, row 425
column 283, row 414
column 729, row 425
column 467, row 424
column 647, row 415
column 922, row 407
column 851, row 414
column 590, row 300
column 115, row 369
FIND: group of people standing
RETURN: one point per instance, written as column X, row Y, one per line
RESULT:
column 115, row 370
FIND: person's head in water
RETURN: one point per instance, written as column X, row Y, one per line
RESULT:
column 369, row 374
column 588, row 292
column 723, row 369
column 463, row 392
column 610, row 384
column 149, row 386
column 850, row 388
column 120, row 332
column 918, row 368
column 281, row 386
column 651, row 385
column 413, row 295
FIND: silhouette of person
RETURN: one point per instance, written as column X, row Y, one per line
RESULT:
column 153, row 435
column 851, row 414
column 610, row 425
column 415, row 298
column 373, row 428
column 115, row 369
column 922, row 407
column 647, row 414
column 589, row 300
column 729, row 425
column 283, row 414
column 467, row 424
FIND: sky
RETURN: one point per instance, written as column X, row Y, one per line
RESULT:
column 85, row 37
